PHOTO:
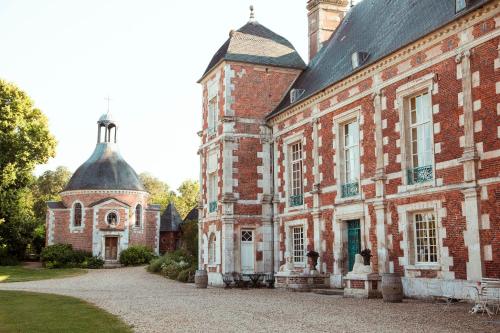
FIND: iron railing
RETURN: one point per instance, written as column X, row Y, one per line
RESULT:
column 296, row 200
column 212, row 207
column 350, row 190
column 420, row 174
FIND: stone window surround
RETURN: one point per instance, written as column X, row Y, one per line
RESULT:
column 343, row 214
column 288, row 226
column 141, row 226
column 287, row 142
column 72, row 227
column 213, row 92
column 213, row 150
column 403, row 95
column 339, row 161
column 117, row 216
column 206, row 238
column 406, row 221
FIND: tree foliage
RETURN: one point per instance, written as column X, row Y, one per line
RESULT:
column 187, row 198
column 25, row 141
column 160, row 193
column 47, row 188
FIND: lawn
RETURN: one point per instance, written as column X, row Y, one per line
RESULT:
column 20, row 274
column 33, row 312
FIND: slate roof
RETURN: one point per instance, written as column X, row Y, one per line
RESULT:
column 170, row 219
column 192, row 215
column 378, row 27
column 55, row 205
column 105, row 170
column 254, row 43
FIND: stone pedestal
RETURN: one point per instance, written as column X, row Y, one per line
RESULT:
column 301, row 282
column 362, row 285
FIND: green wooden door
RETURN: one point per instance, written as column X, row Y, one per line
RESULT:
column 353, row 241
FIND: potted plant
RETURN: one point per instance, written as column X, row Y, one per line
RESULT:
column 366, row 254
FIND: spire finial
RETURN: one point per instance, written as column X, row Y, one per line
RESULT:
column 108, row 99
column 252, row 14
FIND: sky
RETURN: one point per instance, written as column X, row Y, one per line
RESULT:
column 146, row 55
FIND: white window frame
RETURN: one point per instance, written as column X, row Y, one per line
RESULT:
column 339, row 122
column 289, row 237
column 427, row 238
column 212, row 249
column 460, row 5
column 72, row 226
column 287, row 144
column 212, row 106
column 406, row 227
column 404, row 94
column 212, row 180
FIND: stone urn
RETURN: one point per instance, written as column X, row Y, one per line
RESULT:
column 312, row 259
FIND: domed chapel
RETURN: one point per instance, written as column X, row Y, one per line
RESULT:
column 104, row 208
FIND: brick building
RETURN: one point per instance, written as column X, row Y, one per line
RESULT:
column 104, row 208
column 389, row 139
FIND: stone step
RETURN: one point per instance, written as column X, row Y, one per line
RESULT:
column 336, row 292
column 112, row 265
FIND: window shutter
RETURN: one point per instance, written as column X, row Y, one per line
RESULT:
column 217, row 248
column 205, row 249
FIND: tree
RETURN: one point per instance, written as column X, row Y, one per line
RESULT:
column 159, row 192
column 25, row 141
column 47, row 188
column 188, row 198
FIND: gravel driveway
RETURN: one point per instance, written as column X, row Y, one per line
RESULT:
column 152, row 303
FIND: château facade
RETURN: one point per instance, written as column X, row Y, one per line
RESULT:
column 389, row 140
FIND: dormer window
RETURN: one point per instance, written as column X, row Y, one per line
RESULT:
column 358, row 59
column 460, row 5
column 295, row 94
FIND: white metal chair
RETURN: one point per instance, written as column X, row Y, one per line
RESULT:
column 487, row 297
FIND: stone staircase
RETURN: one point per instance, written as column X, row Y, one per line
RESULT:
column 330, row 292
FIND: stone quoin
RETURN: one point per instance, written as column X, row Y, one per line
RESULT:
column 388, row 140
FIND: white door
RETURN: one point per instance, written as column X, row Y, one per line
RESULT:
column 247, row 251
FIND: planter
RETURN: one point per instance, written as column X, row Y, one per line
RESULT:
column 392, row 288
column 201, row 278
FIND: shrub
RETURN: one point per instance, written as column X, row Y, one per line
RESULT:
column 178, row 265
column 7, row 259
column 94, row 263
column 136, row 255
column 57, row 255
column 63, row 256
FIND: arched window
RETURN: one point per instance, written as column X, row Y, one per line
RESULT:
column 77, row 215
column 211, row 249
column 138, row 215
column 112, row 218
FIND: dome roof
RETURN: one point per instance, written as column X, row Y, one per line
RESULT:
column 105, row 170
column 106, row 118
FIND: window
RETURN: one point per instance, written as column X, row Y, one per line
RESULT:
column 112, row 218
column 246, row 236
column 212, row 115
column 212, row 182
column 425, row 238
column 298, row 245
column 420, row 128
column 212, row 249
column 296, row 180
column 138, row 215
column 460, row 5
column 77, row 214
column 350, row 152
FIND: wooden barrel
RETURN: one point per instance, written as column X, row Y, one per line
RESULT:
column 201, row 278
column 392, row 288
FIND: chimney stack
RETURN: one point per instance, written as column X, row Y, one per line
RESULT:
column 324, row 16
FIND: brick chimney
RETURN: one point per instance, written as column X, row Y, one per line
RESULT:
column 324, row 17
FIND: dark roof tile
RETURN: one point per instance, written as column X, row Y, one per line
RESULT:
column 378, row 27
